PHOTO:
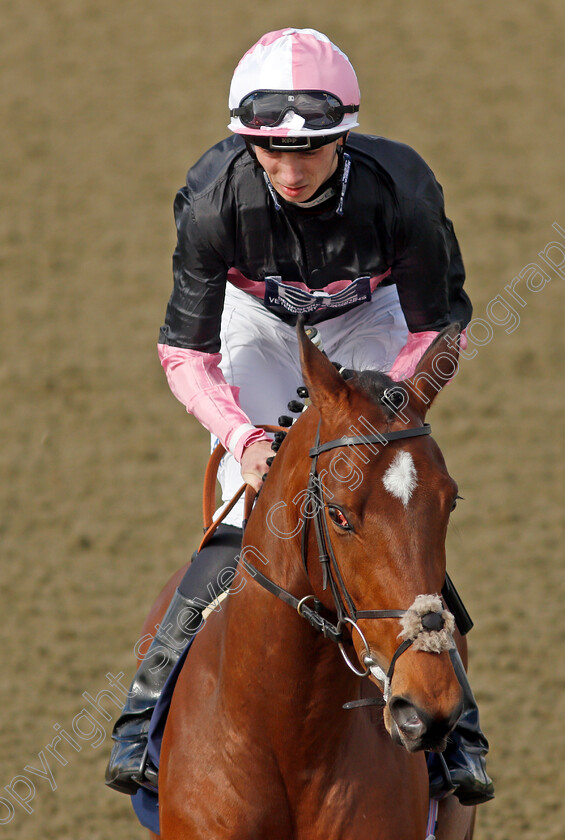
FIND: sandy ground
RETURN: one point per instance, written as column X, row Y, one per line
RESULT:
column 104, row 106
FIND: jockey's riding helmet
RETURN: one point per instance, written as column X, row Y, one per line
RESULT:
column 293, row 90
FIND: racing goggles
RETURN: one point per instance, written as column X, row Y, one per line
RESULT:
column 268, row 108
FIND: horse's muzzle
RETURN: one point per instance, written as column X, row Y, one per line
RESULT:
column 416, row 730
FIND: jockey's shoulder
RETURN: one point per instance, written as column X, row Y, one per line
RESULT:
column 404, row 166
column 228, row 160
column 219, row 163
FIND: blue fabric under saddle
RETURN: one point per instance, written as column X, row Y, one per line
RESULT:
column 145, row 803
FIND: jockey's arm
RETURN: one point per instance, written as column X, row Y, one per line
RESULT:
column 197, row 382
column 429, row 275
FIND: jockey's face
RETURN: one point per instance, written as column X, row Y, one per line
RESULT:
column 297, row 175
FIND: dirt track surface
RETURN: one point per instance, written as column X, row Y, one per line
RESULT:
column 104, row 106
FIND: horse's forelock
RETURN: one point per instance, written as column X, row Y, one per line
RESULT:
column 374, row 384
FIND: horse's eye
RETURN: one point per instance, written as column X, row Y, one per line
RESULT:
column 454, row 505
column 340, row 519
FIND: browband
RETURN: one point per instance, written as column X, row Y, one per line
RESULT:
column 385, row 437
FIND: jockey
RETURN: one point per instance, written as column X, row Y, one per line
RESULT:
column 293, row 215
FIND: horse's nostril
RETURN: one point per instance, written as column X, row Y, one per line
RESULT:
column 413, row 727
column 407, row 719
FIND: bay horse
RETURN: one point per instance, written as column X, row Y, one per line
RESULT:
column 348, row 532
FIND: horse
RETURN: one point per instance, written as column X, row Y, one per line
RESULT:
column 311, row 692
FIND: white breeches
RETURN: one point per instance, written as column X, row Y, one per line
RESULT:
column 260, row 355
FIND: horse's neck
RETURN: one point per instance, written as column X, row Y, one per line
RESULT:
column 298, row 666
column 283, row 686
column 300, row 669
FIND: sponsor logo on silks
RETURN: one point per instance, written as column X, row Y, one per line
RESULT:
column 278, row 295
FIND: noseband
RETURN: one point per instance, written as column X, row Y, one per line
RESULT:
column 427, row 617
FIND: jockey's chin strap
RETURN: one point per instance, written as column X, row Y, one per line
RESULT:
column 346, row 611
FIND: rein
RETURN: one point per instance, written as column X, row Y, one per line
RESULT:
column 209, row 491
column 429, row 618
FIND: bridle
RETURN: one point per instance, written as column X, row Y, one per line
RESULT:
column 347, row 612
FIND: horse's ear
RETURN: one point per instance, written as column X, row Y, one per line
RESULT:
column 436, row 368
column 325, row 385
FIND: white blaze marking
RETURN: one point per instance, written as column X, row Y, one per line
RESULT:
column 401, row 478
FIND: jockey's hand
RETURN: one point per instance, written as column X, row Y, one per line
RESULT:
column 254, row 463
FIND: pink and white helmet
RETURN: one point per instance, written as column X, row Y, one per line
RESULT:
column 294, row 83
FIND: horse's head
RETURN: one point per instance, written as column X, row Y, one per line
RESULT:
column 378, row 507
